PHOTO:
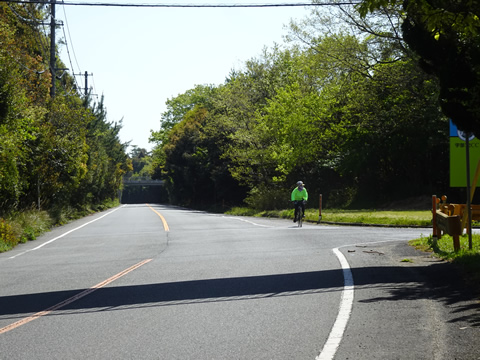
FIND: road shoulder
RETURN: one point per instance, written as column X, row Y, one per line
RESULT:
column 408, row 302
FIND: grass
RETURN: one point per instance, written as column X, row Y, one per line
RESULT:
column 468, row 261
column 29, row 224
column 391, row 218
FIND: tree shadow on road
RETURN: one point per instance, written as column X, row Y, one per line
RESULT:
column 440, row 282
column 436, row 282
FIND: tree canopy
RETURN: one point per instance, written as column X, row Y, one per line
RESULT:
column 445, row 35
column 347, row 110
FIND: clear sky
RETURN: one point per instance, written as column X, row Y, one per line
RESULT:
column 140, row 57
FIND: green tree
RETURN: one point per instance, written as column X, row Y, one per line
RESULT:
column 54, row 153
column 141, row 163
column 186, row 164
column 445, row 34
column 24, row 84
column 107, row 159
column 396, row 134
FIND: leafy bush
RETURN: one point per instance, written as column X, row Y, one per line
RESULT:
column 30, row 224
column 265, row 198
column 8, row 239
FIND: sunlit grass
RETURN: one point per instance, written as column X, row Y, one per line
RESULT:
column 393, row 218
column 468, row 260
column 28, row 225
column 404, row 218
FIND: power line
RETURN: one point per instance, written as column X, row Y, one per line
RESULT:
column 149, row 5
column 69, row 57
column 67, row 47
column 70, row 38
column 38, row 38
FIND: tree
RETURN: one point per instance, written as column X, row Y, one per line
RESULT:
column 107, row 159
column 396, row 134
column 379, row 104
column 141, row 163
column 186, row 165
column 55, row 152
column 446, row 36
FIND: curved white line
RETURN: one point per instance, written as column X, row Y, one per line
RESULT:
column 346, row 303
column 247, row 221
column 64, row 234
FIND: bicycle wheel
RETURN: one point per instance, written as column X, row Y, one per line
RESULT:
column 300, row 217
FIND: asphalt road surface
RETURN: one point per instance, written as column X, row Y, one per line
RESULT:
column 159, row 282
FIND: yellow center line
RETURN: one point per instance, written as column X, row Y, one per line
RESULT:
column 72, row 299
column 165, row 225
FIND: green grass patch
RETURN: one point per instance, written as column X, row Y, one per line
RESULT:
column 467, row 260
column 393, row 218
column 400, row 218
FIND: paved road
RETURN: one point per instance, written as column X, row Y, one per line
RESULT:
column 157, row 282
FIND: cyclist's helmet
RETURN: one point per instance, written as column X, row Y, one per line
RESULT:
column 300, row 183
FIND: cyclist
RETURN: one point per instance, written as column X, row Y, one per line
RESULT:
column 299, row 197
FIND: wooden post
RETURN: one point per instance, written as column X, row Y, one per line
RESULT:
column 320, row 208
column 467, row 216
column 434, row 219
column 456, row 242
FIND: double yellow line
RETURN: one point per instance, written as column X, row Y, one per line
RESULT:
column 165, row 225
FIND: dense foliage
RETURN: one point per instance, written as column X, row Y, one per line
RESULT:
column 343, row 106
column 55, row 152
column 446, row 36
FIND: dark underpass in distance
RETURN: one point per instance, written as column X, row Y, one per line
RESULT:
column 143, row 191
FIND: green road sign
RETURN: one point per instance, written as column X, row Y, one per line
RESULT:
column 458, row 162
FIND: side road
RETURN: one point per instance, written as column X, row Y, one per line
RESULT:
column 393, row 278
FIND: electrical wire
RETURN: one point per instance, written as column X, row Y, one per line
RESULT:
column 70, row 38
column 69, row 57
column 94, row 87
column 12, row 56
column 68, row 50
column 149, row 5
column 38, row 38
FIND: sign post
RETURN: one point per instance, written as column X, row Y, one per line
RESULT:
column 464, row 145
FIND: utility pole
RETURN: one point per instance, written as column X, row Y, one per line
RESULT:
column 53, row 70
column 86, row 74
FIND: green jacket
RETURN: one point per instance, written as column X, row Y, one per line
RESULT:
column 299, row 195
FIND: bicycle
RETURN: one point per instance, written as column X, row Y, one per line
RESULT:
column 299, row 215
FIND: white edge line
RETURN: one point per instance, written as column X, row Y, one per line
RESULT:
column 346, row 303
column 345, row 309
column 64, row 234
column 247, row 221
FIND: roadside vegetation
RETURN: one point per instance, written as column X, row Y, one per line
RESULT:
column 27, row 225
column 468, row 261
column 362, row 217
column 60, row 157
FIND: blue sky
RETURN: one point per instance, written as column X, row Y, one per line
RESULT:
column 140, row 57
